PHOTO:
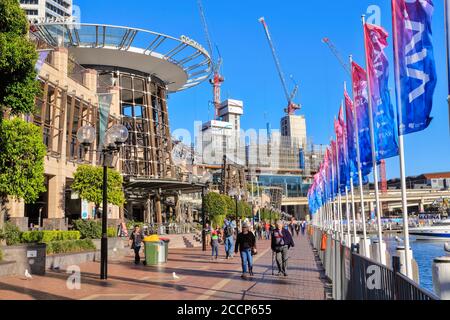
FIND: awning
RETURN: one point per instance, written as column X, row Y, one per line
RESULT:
column 152, row 186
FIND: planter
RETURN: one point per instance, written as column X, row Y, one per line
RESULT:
column 7, row 268
column 59, row 261
column 29, row 257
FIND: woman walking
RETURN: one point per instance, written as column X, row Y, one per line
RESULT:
column 246, row 245
column 215, row 239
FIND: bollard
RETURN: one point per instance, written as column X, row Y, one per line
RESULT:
column 401, row 255
column 441, row 277
column 375, row 252
column 364, row 244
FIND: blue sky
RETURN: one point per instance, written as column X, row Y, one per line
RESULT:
column 297, row 28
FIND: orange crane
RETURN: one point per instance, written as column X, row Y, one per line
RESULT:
column 347, row 68
column 292, row 107
column 217, row 79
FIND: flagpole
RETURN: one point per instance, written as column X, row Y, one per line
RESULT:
column 347, row 210
column 382, row 256
column 366, row 243
column 355, row 235
column 447, row 32
column 401, row 145
column 341, row 224
column 351, row 183
column 333, row 196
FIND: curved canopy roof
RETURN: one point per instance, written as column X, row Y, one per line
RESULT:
column 181, row 63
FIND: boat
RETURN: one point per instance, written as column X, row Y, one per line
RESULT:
column 438, row 231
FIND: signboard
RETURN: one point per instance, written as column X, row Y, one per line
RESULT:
column 32, row 254
column 84, row 210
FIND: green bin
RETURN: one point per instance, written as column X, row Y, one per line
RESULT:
column 152, row 252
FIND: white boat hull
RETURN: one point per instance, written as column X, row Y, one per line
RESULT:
column 431, row 233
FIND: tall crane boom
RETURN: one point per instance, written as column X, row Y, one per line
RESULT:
column 337, row 54
column 292, row 107
column 217, row 79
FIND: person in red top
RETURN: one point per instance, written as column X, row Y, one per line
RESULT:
column 267, row 227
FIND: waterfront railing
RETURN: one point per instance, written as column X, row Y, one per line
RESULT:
column 355, row 277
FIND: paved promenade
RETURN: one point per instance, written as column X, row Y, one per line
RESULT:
column 197, row 278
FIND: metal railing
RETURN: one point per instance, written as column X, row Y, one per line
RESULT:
column 355, row 277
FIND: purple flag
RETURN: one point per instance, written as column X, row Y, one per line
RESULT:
column 43, row 54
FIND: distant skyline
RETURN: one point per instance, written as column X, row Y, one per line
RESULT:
column 297, row 28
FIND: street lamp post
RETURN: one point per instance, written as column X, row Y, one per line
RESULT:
column 115, row 137
column 204, row 219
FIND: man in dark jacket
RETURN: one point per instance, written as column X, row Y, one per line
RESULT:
column 246, row 245
column 281, row 243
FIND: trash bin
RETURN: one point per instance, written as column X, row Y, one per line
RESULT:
column 166, row 249
column 152, row 252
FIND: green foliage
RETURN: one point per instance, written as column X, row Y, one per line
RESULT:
column 112, row 232
column 89, row 229
column 70, row 246
column 88, row 182
column 11, row 234
column 1, row 255
column 217, row 221
column 215, row 204
column 49, row 236
column 268, row 215
column 18, row 85
column 21, row 160
column 230, row 205
column 245, row 210
column 92, row 229
column 131, row 224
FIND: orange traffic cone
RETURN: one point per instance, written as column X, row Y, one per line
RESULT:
column 323, row 247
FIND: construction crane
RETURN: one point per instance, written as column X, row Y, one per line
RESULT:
column 292, row 107
column 382, row 165
column 217, row 79
column 338, row 55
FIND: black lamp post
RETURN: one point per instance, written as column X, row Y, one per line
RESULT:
column 116, row 136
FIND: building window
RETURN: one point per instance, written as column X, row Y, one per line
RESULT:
column 29, row 1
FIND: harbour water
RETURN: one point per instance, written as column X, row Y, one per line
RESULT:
column 424, row 253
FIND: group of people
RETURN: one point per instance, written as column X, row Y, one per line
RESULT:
column 243, row 241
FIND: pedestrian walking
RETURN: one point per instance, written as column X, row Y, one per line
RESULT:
column 215, row 239
column 135, row 242
column 281, row 243
column 303, row 228
column 298, row 228
column 246, row 245
column 292, row 227
column 207, row 232
column 228, row 235
column 267, row 228
column 259, row 231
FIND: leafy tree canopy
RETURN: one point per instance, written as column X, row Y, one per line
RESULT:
column 18, row 56
column 21, row 160
column 215, row 204
column 88, row 182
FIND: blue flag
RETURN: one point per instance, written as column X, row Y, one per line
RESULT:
column 414, row 49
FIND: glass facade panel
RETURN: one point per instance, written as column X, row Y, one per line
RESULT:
column 292, row 186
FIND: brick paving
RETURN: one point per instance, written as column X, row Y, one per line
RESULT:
column 200, row 278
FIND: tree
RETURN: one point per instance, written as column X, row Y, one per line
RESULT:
column 230, row 205
column 88, row 183
column 216, row 208
column 21, row 161
column 18, row 84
